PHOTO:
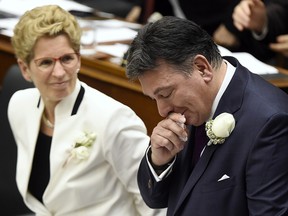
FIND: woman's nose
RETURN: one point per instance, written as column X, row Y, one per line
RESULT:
column 58, row 69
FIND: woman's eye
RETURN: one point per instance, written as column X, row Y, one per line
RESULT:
column 46, row 62
column 66, row 58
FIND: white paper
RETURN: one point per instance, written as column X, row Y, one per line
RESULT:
column 8, row 23
column 250, row 62
column 116, row 50
column 19, row 7
column 113, row 23
column 7, row 26
column 104, row 34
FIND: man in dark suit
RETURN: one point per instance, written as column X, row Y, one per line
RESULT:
column 242, row 169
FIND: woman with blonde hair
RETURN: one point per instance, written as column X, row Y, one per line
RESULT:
column 78, row 149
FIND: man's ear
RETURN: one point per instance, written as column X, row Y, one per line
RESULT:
column 24, row 70
column 204, row 68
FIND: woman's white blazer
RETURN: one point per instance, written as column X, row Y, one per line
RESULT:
column 105, row 183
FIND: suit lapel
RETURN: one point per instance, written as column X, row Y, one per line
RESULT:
column 196, row 173
column 232, row 98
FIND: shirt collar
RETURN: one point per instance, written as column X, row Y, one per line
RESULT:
column 228, row 76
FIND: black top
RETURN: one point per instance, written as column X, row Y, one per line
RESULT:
column 40, row 173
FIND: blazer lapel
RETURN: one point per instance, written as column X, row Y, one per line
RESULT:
column 34, row 126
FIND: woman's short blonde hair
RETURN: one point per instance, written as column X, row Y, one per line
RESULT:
column 49, row 20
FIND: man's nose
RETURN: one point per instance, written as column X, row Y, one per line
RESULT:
column 164, row 108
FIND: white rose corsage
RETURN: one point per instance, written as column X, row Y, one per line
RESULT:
column 220, row 128
column 81, row 148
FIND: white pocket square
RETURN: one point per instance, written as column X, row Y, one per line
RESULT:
column 223, row 177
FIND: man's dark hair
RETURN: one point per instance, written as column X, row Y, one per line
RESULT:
column 173, row 40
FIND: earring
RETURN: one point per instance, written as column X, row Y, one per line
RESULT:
column 28, row 77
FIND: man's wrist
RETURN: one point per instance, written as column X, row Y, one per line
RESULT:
column 158, row 168
column 261, row 35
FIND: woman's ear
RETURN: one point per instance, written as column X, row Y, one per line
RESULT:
column 204, row 68
column 24, row 70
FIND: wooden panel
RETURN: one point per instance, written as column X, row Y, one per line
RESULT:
column 7, row 57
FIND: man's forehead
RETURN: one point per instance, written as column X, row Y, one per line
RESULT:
column 154, row 82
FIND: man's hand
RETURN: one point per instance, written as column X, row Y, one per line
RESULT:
column 250, row 14
column 168, row 138
column 224, row 37
column 281, row 45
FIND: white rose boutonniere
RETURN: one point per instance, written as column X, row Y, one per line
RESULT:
column 81, row 148
column 220, row 128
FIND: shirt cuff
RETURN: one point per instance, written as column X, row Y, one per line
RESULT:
column 262, row 35
column 163, row 174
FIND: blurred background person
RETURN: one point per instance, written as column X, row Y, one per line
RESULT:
column 217, row 21
column 78, row 149
column 268, row 23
